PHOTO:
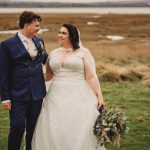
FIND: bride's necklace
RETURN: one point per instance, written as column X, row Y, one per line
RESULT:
column 68, row 50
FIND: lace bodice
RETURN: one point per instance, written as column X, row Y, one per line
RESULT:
column 71, row 68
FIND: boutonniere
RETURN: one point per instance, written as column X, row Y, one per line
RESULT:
column 41, row 48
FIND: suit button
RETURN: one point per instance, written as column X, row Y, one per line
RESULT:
column 30, row 78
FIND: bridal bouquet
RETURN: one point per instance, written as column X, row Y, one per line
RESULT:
column 110, row 126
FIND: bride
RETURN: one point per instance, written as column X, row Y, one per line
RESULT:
column 70, row 107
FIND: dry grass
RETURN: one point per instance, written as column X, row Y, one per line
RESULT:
column 128, row 59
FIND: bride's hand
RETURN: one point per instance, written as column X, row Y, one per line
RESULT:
column 100, row 103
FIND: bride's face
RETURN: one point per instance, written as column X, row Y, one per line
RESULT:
column 63, row 36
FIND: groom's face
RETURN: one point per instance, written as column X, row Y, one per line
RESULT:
column 32, row 28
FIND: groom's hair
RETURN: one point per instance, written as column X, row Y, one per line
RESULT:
column 73, row 35
column 28, row 17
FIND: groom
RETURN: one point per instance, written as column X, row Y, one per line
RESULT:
column 22, row 83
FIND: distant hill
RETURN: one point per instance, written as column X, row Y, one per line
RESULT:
column 139, row 3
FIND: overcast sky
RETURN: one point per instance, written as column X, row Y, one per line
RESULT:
column 75, row 1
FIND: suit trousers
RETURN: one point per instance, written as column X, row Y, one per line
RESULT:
column 23, row 118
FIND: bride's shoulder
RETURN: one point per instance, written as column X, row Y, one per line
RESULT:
column 84, row 50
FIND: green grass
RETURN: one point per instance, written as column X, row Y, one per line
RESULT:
column 132, row 98
column 4, row 123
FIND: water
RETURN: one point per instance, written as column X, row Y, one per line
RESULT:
column 98, row 10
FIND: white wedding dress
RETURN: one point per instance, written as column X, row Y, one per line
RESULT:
column 69, row 109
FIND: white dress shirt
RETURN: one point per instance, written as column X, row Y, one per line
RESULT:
column 26, row 41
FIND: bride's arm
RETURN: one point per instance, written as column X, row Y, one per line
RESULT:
column 93, row 82
column 48, row 75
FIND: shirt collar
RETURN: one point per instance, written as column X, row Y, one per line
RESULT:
column 23, row 38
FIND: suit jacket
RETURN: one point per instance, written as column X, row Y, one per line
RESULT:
column 20, row 76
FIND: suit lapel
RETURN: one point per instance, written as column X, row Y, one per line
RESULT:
column 23, row 50
column 36, row 42
column 20, row 46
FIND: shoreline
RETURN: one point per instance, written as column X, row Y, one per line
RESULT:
column 81, row 10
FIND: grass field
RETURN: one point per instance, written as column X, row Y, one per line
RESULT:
column 132, row 98
column 123, row 66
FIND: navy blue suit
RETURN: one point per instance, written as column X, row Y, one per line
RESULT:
column 22, row 82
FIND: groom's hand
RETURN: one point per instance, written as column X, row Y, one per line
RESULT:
column 7, row 106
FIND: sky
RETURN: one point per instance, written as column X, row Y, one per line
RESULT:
column 75, row 1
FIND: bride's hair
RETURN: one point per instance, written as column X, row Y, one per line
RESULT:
column 73, row 35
